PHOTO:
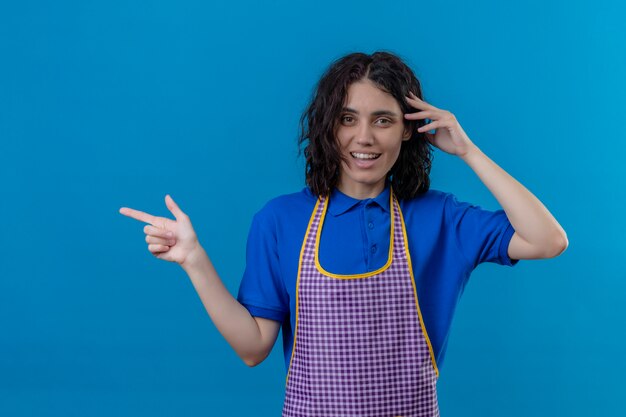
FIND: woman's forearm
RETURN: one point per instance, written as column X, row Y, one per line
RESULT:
column 231, row 318
column 529, row 217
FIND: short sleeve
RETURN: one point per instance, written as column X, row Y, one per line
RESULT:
column 481, row 235
column 262, row 291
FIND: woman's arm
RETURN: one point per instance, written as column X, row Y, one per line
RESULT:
column 537, row 233
column 251, row 337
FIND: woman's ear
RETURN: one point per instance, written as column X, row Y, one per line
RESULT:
column 408, row 130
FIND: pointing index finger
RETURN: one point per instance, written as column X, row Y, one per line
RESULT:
column 138, row 215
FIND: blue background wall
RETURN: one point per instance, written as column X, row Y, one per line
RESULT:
column 116, row 103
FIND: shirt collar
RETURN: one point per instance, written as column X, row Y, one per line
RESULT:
column 341, row 203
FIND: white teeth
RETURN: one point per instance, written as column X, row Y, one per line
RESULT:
column 365, row 155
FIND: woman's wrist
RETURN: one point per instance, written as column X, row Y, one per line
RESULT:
column 194, row 258
column 471, row 152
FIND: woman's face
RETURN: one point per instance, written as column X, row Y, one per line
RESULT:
column 370, row 133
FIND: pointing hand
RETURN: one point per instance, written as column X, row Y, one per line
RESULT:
column 171, row 240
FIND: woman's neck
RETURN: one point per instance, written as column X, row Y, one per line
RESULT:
column 362, row 191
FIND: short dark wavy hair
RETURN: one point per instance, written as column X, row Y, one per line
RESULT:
column 409, row 176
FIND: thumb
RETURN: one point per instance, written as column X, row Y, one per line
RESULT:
column 173, row 207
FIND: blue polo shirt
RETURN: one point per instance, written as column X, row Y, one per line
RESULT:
column 447, row 240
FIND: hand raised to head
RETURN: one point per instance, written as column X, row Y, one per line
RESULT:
column 449, row 136
column 170, row 240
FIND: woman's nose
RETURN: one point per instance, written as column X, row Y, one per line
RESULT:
column 364, row 135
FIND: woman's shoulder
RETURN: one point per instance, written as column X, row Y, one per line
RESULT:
column 433, row 204
column 287, row 205
column 444, row 204
column 427, row 198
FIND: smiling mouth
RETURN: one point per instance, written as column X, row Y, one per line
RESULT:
column 364, row 156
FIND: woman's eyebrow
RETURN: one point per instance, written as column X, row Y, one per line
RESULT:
column 374, row 113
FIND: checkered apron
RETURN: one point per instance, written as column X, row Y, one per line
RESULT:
column 360, row 346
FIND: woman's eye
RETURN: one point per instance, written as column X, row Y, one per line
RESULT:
column 350, row 119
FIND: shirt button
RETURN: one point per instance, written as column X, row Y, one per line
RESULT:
column 374, row 248
column 370, row 225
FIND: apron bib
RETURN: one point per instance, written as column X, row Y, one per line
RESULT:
column 360, row 345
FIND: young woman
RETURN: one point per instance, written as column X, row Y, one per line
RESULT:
column 363, row 268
